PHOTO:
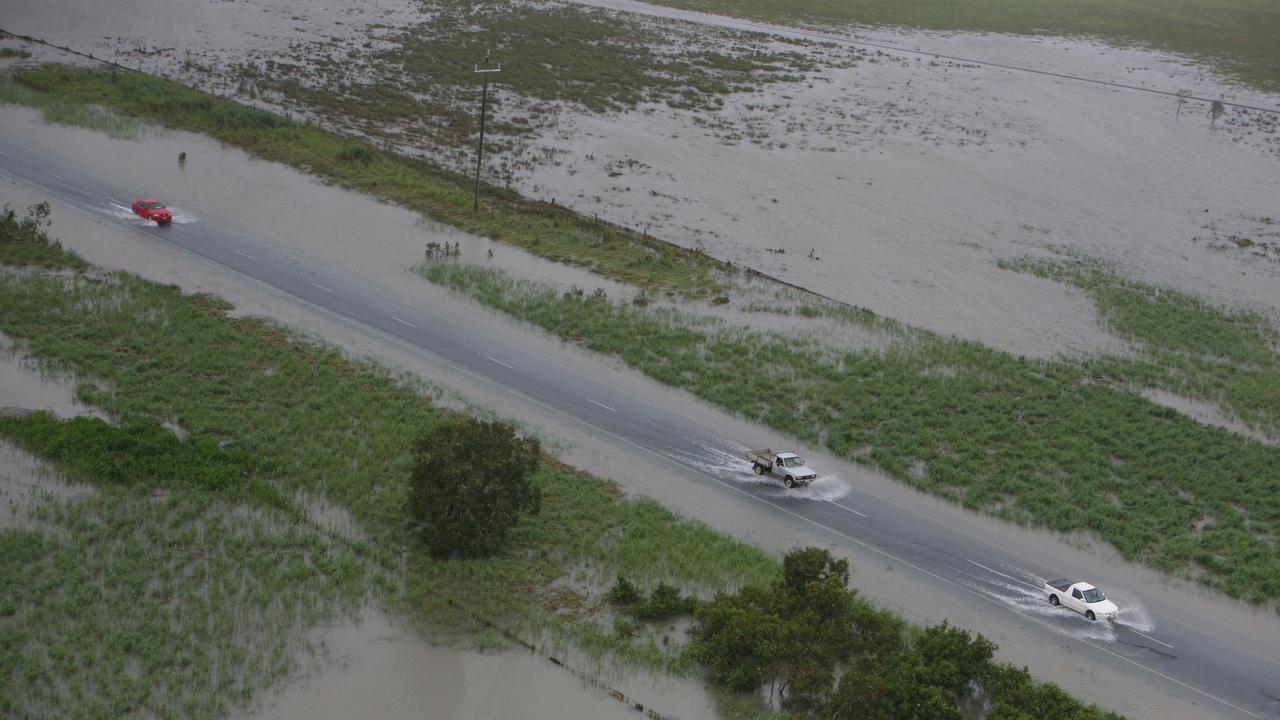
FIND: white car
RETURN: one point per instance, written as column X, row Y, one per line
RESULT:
column 1081, row 597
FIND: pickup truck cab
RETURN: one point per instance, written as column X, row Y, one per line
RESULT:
column 787, row 466
column 1081, row 597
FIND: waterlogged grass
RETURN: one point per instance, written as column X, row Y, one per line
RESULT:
column 69, row 111
column 546, row 230
column 1237, row 37
column 597, row 59
column 1038, row 442
column 203, row 550
column 552, row 577
column 123, row 604
column 1228, row 357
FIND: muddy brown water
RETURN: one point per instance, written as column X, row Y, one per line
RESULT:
column 390, row 235
column 908, row 228
column 372, row 668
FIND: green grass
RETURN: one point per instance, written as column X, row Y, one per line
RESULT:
column 70, row 111
column 8, row 52
column 23, row 243
column 1038, row 442
column 543, row 229
column 1237, row 37
column 1190, row 347
column 265, row 406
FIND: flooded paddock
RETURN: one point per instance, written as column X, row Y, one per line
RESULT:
column 372, row 668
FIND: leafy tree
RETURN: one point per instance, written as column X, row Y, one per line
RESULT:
column 894, row 688
column 1215, row 111
column 470, row 482
column 790, row 635
column 802, row 566
column 956, row 661
column 739, row 638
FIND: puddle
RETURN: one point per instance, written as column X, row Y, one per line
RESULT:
column 374, row 669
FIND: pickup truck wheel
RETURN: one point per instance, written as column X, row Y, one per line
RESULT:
column 789, row 483
column 1089, row 614
column 759, row 470
column 1053, row 599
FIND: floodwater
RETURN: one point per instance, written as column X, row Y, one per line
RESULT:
column 25, row 385
column 906, row 176
column 25, row 480
column 918, row 243
column 371, row 239
column 374, row 669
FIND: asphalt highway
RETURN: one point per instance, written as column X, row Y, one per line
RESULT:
column 1173, row 654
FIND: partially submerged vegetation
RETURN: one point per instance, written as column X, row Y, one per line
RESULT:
column 1051, row 443
column 1238, row 38
column 543, row 229
column 210, row 541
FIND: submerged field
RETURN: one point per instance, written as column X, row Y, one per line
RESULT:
column 1236, row 37
column 182, row 581
column 1070, row 445
column 317, row 434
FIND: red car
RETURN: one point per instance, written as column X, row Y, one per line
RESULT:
column 152, row 210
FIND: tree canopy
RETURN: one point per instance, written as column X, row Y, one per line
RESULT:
column 470, row 482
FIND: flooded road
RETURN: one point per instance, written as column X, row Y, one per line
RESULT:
column 906, row 176
column 908, row 551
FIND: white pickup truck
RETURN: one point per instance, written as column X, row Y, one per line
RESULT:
column 785, row 465
column 1081, row 597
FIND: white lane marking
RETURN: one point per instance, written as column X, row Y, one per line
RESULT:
column 244, row 254
column 846, row 507
column 1017, row 580
column 1136, row 632
column 4, row 154
column 321, row 287
column 530, row 399
column 111, row 199
column 406, row 322
column 606, row 407
column 733, row 488
column 175, row 227
column 496, row 360
column 54, row 174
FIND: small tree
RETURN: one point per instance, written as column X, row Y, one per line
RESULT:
column 470, row 482
column 1215, row 111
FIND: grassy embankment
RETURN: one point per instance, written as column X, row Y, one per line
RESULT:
column 546, row 230
column 1061, row 444
column 1238, row 38
column 176, row 596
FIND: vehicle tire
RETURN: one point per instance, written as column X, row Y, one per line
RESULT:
column 759, row 470
column 789, row 483
column 1089, row 614
column 1053, row 600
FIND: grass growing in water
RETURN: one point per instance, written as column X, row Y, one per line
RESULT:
column 1043, row 443
column 1190, row 347
column 540, row 228
column 1237, row 37
column 309, row 421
